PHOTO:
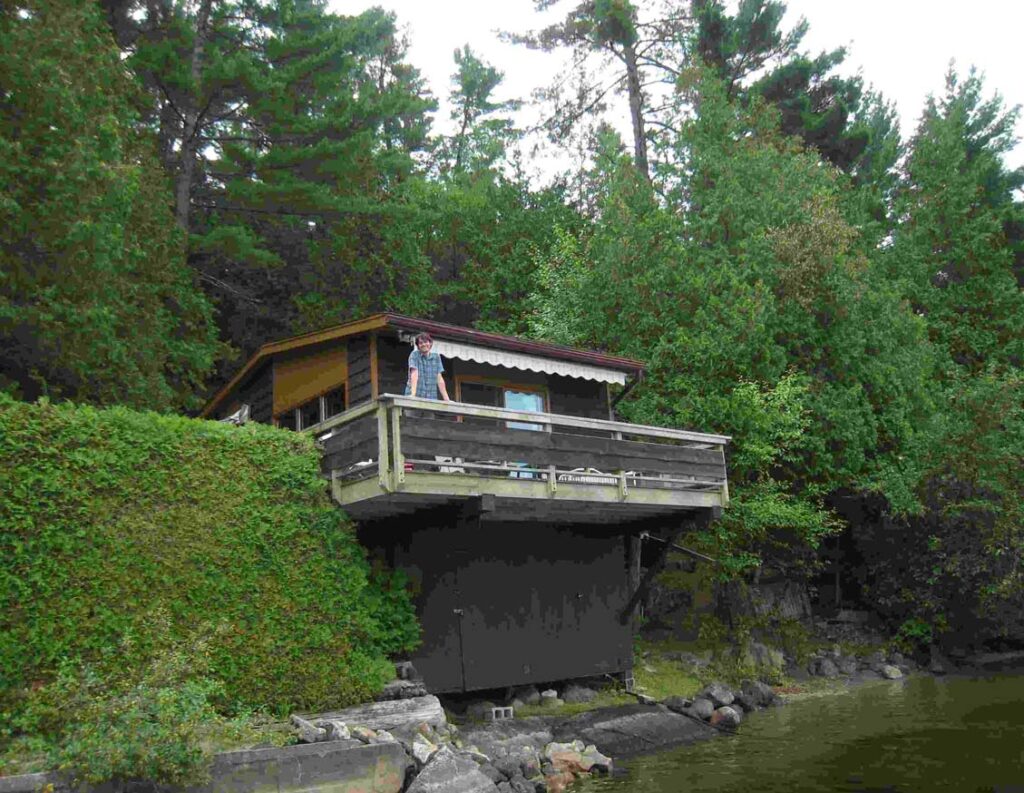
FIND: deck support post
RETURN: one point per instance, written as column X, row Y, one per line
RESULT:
column 702, row 519
column 383, row 454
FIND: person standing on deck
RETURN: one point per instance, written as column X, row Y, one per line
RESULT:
column 426, row 371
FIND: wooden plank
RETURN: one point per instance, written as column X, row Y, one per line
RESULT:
column 557, row 420
column 374, row 375
column 425, row 437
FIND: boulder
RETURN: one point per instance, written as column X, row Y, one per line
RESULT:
column 702, row 708
column 361, row 733
column 521, row 784
column 336, row 730
column 890, row 672
column 938, row 664
column 390, row 714
column 422, row 749
column 631, row 729
column 719, row 694
column 512, row 745
column 824, row 667
column 528, row 694
column 558, row 781
column 745, row 701
column 383, row 736
column 847, row 666
column 727, row 717
column 763, row 657
column 448, row 772
column 577, row 693
column 307, row 731
column 761, row 693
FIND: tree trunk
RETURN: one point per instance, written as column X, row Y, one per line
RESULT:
column 190, row 111
column 636, row 110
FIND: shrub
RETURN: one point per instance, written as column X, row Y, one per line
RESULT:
column 110, row 516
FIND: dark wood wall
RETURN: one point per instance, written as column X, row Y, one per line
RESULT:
column 257, row 392
column 511, row 603
column 359, row 386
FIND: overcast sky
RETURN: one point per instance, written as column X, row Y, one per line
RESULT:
column 902, row 47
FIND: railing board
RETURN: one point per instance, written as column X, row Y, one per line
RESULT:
column 425, row 438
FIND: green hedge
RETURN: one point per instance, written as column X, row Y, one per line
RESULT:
column 121, row 529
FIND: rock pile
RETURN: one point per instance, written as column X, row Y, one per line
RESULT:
column 834, row 664
column 502, row 757
column 721, row 706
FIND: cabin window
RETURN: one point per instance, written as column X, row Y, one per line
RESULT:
column 513, row 397
column 314, row 410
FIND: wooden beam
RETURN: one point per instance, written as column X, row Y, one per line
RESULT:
column 701, row 520
column 374, row 378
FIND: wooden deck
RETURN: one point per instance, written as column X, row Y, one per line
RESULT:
column 398, row 454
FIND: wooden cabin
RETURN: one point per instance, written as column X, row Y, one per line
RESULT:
column 519, row 510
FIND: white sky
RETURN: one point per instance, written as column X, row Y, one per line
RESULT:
column 901, row 47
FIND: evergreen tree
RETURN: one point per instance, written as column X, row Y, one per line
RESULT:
column 96, row 303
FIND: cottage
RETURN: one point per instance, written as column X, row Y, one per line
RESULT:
column 518, row 510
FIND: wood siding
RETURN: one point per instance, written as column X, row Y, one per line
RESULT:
column 307, row 373
column 257, row 392
column 359, row 382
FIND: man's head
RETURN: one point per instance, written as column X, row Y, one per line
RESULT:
column 424, row 341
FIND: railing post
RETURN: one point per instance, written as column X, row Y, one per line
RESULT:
column 552, row 480
column 623, row 487
column 398, row 458
column 383, row 462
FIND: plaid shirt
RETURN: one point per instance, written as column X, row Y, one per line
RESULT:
column 430, row 367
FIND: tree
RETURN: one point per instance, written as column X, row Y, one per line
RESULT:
column 96, row 303
column 754, row 57
column 482, row 138
column 605, row 32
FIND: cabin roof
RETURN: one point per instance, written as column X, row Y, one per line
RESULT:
column 439, row 329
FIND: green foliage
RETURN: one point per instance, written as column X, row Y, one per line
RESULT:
column 111, row 516
column 96, row 303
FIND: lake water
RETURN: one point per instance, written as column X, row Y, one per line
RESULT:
column 917, row 735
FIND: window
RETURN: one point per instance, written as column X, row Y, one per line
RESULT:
column 314, row 410
column 513, row 397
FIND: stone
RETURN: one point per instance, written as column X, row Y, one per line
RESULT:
column 875, row 660
column 890, row 672
column 938, row 664
column 520, row 784
column 336, row 730
column 677, row 704
column 826, row 667
column 450, row 773
column 726, row 716
column 551, row 702
column 595, row 761
column 504, row 787
column 422, row 749
column 402, row 689
column 492, row 773
column 517, row 704
column 897, row 659
column 479, row 711
column 390, row 714
column 719, row 694
column 383, row 736
column 576, row 693
column 745, row 701
column 847, row 666
column 558, row 781
column 702, row 708
column 548, row 693
column 632, row 729
column 760, row 692
column 404, row 670
column 307, row 731
column 528, row 694
column 361, row 733
column 763, row 657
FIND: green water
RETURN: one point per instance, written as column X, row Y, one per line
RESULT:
column 917, row 735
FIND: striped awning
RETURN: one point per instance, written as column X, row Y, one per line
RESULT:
column 518, row 360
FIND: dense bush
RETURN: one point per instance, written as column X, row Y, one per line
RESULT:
column 123, row 526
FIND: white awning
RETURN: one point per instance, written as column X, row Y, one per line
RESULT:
column 519, row 360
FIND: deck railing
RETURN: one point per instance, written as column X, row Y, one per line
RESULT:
column 398, row 438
